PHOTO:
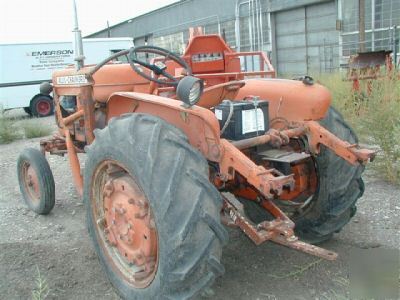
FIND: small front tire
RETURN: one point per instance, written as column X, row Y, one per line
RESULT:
column 36, row 181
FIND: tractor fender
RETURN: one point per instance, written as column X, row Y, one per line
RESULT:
column 291, row 100
column 199, row 124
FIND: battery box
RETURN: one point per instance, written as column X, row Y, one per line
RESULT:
column 249, row 118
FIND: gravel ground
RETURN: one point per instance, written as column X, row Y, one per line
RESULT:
column 58, row 246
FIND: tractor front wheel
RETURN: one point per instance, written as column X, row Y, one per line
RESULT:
column 152, row 213
column 36, row 181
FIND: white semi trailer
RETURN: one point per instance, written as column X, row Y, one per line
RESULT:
column 24, row 66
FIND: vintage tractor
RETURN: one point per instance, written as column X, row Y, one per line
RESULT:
column 177, row 146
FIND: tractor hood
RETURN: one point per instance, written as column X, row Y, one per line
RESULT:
column 289, row 99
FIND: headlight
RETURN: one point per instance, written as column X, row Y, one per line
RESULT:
column 189, row 90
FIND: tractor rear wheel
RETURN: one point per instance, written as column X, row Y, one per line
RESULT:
column 36, row 181
column 152, row 213
column 339, row 187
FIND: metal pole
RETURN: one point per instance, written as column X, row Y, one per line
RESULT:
column 340, row 17
column 237, row 25
column 361, row 25
column 257, row 29
column 324, row 55
column 396, row 46
column 250, row 28
column 78, row 45
column 373, row 25
column 261, row 26
column 393, row 44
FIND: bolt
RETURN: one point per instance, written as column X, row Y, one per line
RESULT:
column 138, row 256
column 292, row 238
column 141, row 203
column 141, row 214
column 109, row 186
column 110, row 243
column 100, row 222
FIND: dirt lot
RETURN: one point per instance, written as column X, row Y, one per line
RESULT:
column 58, row 245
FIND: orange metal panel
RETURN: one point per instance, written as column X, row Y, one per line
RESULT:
column 289, row 99
column 199, row 124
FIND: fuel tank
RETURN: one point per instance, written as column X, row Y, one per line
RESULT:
column 291, row 100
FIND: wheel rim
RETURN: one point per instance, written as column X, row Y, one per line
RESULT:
column 125, row 224
column 31, row 182
column 43, row 107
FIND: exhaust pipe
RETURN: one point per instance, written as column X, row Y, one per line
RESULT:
column 78, row 45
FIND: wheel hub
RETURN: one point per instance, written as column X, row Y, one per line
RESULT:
column 31, row 182
column 129, row 225
column 43, row 107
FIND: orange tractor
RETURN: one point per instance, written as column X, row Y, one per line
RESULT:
column 178, row 146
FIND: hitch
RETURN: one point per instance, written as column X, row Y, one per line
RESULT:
column 279, row 230
column 267, row 181
column 352, row 153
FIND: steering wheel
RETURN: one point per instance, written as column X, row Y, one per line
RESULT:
column 159, row 67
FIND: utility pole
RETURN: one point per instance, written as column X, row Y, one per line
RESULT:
column 361, row 25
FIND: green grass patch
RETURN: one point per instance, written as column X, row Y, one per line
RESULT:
column 8, row 130
column 34, row 129
column 12, row 129
column 375, row 117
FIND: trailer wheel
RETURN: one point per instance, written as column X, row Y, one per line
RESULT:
column 152, row 213
column 42, row 106
column 36, row 181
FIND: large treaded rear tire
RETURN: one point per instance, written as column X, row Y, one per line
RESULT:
column 340, row 186
column 186, row 206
